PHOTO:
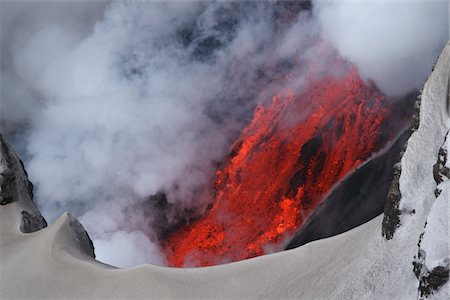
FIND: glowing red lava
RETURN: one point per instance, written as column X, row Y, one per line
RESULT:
column 287, row 159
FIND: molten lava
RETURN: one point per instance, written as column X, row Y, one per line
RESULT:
column 287, row 159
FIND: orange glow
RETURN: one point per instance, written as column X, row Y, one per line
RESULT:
column 288, row 158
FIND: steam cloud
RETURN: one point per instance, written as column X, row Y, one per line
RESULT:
column 392, row 43
column 111, row 103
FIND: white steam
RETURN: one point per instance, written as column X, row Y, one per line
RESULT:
column 112, row 103
column 393, row 43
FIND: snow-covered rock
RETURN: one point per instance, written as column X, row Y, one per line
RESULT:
column 16, row 188
column 419, row 195
column 404, row 257
column 431, row 265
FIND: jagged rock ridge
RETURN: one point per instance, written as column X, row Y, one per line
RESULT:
column 15, row 187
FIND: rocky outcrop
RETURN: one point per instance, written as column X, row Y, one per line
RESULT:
column 16, row 189
column 440, row 170
column 429, row 280
column 431, row 264
column 359, row 198
column 80, row 236
column 391, row 217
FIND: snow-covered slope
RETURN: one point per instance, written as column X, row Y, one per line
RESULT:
column 408, row 261
column 418, row 201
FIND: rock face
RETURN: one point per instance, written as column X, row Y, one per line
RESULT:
column 431, row 265
column 432, row 280
column 15, row 188
column 391, row 217
column 441, row 171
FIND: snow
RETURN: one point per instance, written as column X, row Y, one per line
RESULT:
column 358, row 264
column 435, row 241
column 417, row 183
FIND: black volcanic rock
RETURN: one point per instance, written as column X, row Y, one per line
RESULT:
column 15, row 187
column 357, row 199
column 31, row 223
column 440, row 170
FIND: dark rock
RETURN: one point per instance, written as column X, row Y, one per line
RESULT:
column 15, row 187
column 437, row 192
column 32, row 223
column 415, row 119
column 439, row 168
column 429, row 281
column 7, row 179
column 81, row 236
column 391, row 219
column 432, row 281
column 6, row 200
column 419, row 259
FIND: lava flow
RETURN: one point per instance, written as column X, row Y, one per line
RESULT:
column 287, row 159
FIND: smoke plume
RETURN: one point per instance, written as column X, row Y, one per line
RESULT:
column 123, row 110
